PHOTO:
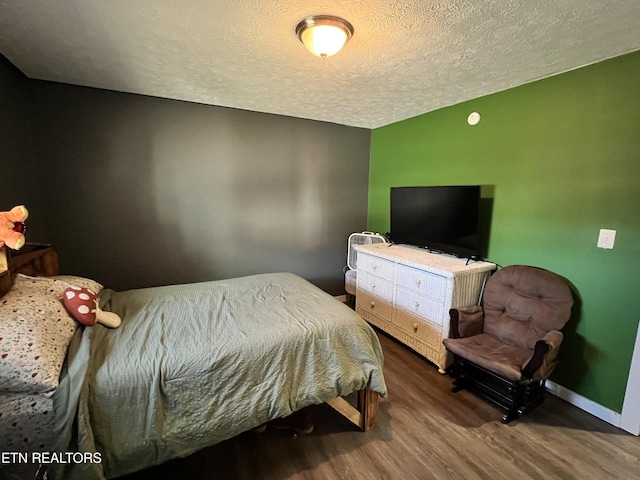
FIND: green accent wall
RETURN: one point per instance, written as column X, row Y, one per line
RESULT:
column 563, row 157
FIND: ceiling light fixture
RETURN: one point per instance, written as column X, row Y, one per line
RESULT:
column 324, row 35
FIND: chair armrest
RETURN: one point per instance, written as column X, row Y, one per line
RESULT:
column 543, row 359
column 466, row 321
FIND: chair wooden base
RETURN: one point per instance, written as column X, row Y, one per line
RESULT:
column 514, row 399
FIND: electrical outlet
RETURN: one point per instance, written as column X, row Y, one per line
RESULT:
column 606, row 239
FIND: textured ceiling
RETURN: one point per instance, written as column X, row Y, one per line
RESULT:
column 405, row 58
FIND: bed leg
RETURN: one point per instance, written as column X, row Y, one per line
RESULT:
column 368, row 408
column 364, row 415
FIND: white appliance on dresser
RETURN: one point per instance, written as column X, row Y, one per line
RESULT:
column 408, row 292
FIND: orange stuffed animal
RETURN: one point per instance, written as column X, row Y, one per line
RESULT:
column 12, row 227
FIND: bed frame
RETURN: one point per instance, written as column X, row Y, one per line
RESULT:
column 34, row 259
column 41, row 260
column 364, row 414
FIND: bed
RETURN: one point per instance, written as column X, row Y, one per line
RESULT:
column 190, row 366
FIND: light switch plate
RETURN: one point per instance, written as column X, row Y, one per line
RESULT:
column 606, row 239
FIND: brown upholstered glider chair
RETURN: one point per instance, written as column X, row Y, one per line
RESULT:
column 505, row 350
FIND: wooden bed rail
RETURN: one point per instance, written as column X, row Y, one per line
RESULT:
column 364, row 415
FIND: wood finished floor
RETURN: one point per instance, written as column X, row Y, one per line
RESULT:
column 424, row 432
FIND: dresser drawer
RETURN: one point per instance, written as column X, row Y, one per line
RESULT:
column 368, row 304
column 375, row 285
column 425, row 331
column 419, row 281
column 420, row 305
column 379, row 267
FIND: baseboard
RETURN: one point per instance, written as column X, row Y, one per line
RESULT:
column 630, row 418
column 583, row 403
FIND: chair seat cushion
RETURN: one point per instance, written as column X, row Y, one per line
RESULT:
column 490, row 353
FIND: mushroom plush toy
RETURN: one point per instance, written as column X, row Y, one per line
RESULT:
column 82, row 304
column 12, row 227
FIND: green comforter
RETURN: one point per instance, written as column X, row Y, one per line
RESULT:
column 193, row 365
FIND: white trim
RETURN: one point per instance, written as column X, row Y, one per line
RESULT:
column 583, row 403
column 630, row 419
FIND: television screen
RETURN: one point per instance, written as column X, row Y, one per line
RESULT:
column 444, row 218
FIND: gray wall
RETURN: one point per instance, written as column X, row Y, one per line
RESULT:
column 144, row 191
column 18, row 183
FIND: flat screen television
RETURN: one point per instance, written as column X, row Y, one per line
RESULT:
column 443, row 218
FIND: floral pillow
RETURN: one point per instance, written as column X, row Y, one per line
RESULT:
column 35, row 331
column 26, row 422
column 81, row 282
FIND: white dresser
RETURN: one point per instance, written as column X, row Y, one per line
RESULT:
column 407, row 292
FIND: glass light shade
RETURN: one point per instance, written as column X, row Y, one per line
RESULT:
column 324, row 35
column 323, row 40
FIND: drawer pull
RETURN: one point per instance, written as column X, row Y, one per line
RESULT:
column 418, row 281
column 373, row 304
column 375, row 267
column 415, row 328
column 373, row 285
column 417, row 303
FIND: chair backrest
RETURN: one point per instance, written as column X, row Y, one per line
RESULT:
column 523, row 303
